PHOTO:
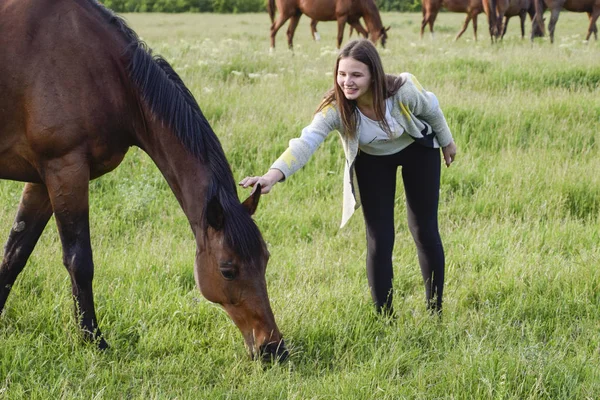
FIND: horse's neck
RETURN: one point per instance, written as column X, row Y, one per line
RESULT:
column 371, row 16
column 186, row 174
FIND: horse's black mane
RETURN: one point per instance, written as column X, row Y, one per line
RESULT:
column 171, row 101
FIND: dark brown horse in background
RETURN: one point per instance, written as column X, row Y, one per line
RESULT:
column 78, row 89
column 431, row 8
column 591, row 7
column 342, row 11
column 521, row 8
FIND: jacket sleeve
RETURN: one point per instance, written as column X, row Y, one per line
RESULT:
column 302, row 148
column 425, row 106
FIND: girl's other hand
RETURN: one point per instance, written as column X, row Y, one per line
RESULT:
column 449, row 152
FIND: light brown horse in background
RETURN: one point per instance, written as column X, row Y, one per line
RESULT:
column 342, row 11
column 591, row 7
column 354, row 25
column 431, row 9
column 78, row 88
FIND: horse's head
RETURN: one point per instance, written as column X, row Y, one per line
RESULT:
column 380, row 34
column 226, row 276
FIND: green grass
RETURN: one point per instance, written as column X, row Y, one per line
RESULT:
column 519, row 216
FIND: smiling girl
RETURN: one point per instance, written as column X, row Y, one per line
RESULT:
column 385, row 122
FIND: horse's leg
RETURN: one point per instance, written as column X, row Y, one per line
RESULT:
column 292, row 28
column 428, row 18
column 32, row 216
column 500, row 21
column 432, row 19
column 464, row 27
column 423, row 21
column 491, row 16
column 341, row 25
column 313, row 30
column 523, row 16
column 67, row 180
column 505, row 26
column 281, row 19
column 475, row 26
column 552, row 24
column 359, row 29
column 593, row 29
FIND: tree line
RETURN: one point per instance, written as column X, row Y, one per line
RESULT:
column 227, row 6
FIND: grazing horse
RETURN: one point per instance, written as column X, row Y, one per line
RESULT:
column 78, row 89
column 342, row 11
column 354, row 25
column 591, row 7
column 521, row 8
column 431, row 8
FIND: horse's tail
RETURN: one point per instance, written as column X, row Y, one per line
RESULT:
column 492, row 18
column 271, row 9
column 537, row 24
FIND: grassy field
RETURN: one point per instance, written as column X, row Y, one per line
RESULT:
column 519, row 216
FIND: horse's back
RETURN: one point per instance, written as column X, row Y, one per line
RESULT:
column 324, row 10
column 457, row 5
column 61, row 83
column 581, row 5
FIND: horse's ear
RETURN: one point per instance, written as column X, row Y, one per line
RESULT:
column 251, row 202
column 388, row 28
column 214, row 214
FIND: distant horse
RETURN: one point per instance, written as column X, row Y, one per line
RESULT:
column 354, row 25
column 431, row 9
column 521, row 8
column 342, row 11
column 591, row 7
column 78, row 89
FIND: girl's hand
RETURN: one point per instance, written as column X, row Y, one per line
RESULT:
column 449, row 152
column 267, row 181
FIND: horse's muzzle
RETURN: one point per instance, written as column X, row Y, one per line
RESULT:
column 272, row 352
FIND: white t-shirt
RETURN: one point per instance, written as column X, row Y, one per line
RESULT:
column 373, row 140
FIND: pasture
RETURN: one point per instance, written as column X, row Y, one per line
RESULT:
column 519, row 216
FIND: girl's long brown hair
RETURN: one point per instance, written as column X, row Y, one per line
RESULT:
column 382, row 86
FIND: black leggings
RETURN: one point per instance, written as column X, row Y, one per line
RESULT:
column 376, row 177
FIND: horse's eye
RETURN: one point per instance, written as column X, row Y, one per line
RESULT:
column 228, row 271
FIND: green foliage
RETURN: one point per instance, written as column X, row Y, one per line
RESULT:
column 519, row 217
column 179, row 6
column 227, row 6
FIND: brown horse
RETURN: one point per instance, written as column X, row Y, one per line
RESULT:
column 354, row 25
column 521, row 8
column 431, row 8
column 591, row 7
column 78, row 89
column 342, row 11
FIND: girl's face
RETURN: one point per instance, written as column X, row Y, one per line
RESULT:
column 354, row 78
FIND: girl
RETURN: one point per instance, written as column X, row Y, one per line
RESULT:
column 384, row 122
